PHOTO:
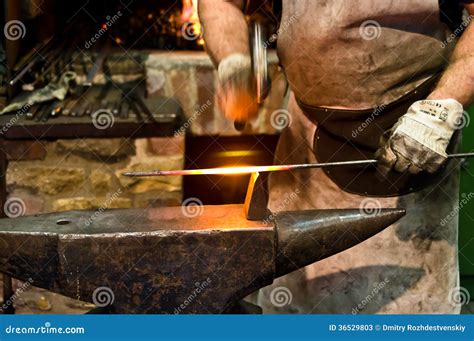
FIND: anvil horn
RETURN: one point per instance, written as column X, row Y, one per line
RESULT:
column 165, row 260
column 305, row 237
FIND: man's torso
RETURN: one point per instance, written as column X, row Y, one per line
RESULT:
column 362, row 53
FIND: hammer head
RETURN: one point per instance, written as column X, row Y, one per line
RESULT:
column 173, row 260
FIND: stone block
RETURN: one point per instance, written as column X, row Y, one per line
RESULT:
column 181, row 84
column 141, row 185
column 103, row 150
column 22, row 202
column 155, row 82
column 206, row 79
column 90, row 203
column 158, row 199
column 101, row 182
column 165, row 146
column 77, row 203
column 25, row 150
column 44, row 179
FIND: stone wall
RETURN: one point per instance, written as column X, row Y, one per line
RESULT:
column 86, row 174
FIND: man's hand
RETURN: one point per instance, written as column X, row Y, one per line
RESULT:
column 236, row 91
column 419, row 139
column 227, row 42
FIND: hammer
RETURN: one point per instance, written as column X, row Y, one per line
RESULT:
column 258, row 57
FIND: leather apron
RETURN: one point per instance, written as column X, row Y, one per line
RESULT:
column 355, row 134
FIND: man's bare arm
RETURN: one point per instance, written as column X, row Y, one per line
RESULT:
column 225, row 28
column 227, row 43
column 458, row 80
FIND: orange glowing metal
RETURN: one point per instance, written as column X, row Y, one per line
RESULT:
column 262, row 169
column 214, row 171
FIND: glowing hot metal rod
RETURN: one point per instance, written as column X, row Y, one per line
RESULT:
column 270, row 168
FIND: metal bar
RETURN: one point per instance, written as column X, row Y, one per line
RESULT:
column 270, row 168
column 142, row 105
column 36, row 58
column 42, row 112
column 133, row 106
column 96, row 66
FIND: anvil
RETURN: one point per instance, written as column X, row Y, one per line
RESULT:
column 185, row 259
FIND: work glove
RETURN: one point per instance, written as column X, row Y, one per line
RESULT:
column 418, row 141
column 236, row 90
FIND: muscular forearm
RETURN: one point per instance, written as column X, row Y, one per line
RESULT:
column 225, row 28
column 458, row 80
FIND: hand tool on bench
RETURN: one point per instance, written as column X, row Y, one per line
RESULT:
column 134, row 107
column 124, row 108
column 33, row 111
column 141, row 104
column 57, row 109
column 43, row 111
column 96, row 66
